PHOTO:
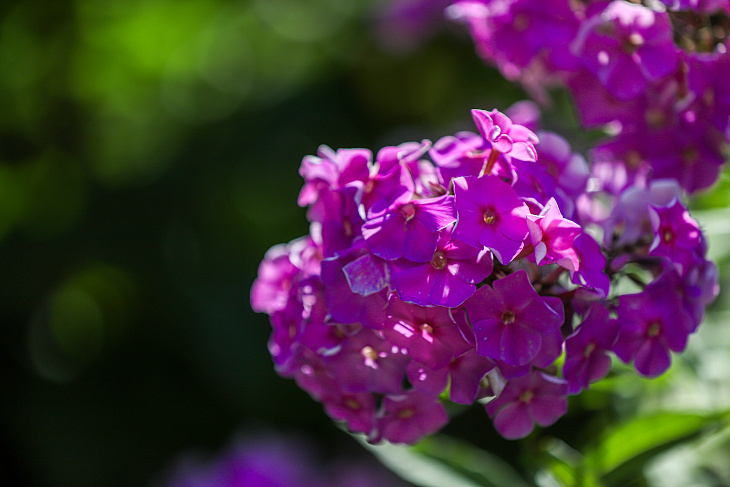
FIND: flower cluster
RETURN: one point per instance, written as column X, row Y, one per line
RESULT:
column 470, row 275
column 655, row 73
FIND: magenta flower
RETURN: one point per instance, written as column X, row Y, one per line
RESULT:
column 463, row 375
column 586, row 360
column 448, row 279
column 499, row 143
column 504, row 137
column 511, row 320
column 409, row 229
column 428, row 335
column 552, row 236
column 536, row 398
column 491, row 215
column 408, row 417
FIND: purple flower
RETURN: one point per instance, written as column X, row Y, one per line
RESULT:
column 368, row 363
column 629, row 219
column 464, row 374
column 448, row 279
column 408, row 417
column 286, row 326
column 390, row 183
column 355, row 287
column 627, row 47
column 698, row 287
column 568, row 168
column 270, row 290
column 687, row 152
column 331, row 171
column 591, row 272
column 676, row 234
column 312, row 374
column 511, row 320
column 314, row 333
column 463, row 154
column 429, row 335
column 409, row 229
column 707, row 83
column 586, row 360
column 651, row 325
column 536, row 398
column 491, row 215
column 340, row 221
column 356, row 410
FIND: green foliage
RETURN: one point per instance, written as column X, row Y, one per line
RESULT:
column 439, row 461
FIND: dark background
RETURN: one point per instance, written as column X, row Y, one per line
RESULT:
column 148, row 158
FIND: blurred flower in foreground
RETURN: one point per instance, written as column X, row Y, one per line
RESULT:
column 404, row 25
column 274, row 460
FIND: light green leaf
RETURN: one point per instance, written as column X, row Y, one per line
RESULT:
column 624, row 450
column 441, row 461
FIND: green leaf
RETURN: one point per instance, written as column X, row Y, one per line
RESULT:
column 441, row 461
column 562, row 462
column 623, row 451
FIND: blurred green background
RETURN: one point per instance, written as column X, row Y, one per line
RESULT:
column 149, row 152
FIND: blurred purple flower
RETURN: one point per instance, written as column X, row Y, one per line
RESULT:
column 274, row 461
